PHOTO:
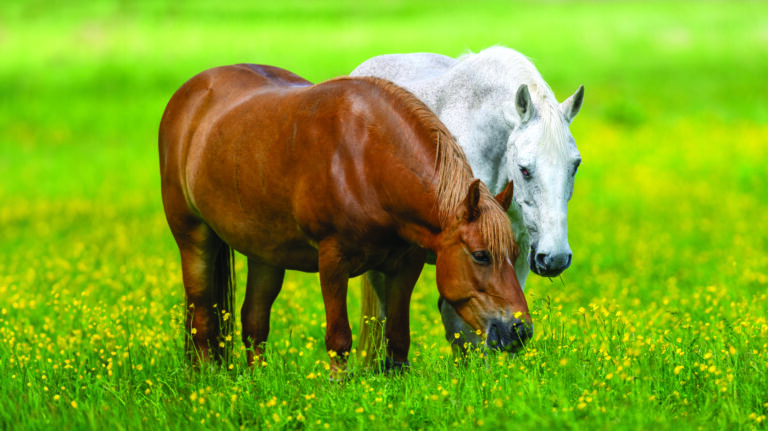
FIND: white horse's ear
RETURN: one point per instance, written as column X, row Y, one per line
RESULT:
column 523, row 104
column 521, row 110
column 570, row 106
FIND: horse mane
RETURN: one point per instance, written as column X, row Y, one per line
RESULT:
column 504, row 66
column 454, row 174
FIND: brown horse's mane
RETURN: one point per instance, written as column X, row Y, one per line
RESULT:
column 454, row 175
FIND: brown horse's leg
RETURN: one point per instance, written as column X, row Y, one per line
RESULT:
column 199, row 247
column 334, row 279
column 398, row 288
column 264, row 283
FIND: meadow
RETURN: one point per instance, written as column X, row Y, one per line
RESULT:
column 661, row 322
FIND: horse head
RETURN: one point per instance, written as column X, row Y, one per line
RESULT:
column 475, row 273
column 542, row 162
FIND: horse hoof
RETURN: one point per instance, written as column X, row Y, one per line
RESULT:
column 390, row 365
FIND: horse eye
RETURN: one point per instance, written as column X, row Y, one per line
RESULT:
column 526, row 173
column 576, row 167
column 481, row 257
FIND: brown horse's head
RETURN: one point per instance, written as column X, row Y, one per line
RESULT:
column 475, row 273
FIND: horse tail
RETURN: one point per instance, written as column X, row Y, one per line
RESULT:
column 370, row 344
column 224, row 283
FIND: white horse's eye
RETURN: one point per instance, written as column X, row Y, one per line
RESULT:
column 526, row 173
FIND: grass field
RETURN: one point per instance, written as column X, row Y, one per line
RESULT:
column 660, row 323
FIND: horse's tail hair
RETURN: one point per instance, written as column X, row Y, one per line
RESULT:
column 370, row 344
column 224, row 282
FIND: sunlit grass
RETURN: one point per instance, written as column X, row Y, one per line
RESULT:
column 663, row 311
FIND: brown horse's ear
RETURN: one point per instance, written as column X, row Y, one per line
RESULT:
column 505, row 197
column 472, row 201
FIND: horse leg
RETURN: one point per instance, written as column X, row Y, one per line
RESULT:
column 372, row 313
column 334, row 279
column 199, row 247
column 264, row 284
column 398, row 287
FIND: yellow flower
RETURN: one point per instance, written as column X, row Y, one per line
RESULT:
column 678, row 369
column 73, row 404
column 456, row 335
column 359, row 410
column 311, row 376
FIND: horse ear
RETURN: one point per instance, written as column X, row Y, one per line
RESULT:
column 523, row 104
column 521, row 110
column 505, row 197
column 571, row 106
column 472, row 201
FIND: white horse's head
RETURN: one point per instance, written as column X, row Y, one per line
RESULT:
column 542, row 160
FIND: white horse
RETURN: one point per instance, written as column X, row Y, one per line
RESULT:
column 511, row 127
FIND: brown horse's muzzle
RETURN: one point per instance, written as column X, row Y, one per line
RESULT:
column 509, row 336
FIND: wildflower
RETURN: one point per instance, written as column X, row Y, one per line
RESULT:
column 678, row 369
column 73, row 404
column 311, row 376
column 456, row 335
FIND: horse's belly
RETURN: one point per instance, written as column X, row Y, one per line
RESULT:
column 295, row 256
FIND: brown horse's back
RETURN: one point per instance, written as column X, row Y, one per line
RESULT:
column 271, row 163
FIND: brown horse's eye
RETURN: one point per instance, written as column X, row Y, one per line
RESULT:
column 481, row 257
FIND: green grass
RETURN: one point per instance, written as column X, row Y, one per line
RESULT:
column 660, row 323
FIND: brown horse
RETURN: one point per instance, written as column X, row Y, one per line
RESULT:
column 343, row 177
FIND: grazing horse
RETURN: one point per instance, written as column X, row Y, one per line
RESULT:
column 508, row 122
column 343, row 177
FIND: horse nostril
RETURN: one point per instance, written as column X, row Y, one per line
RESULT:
column 542, row 260
column 494, row 337
column 522, row 332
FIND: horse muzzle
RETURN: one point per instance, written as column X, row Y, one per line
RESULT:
column 508, row 336
column 549, row 264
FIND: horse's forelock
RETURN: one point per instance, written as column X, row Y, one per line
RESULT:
column 553, row 127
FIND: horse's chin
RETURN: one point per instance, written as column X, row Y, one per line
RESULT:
column 542, row 273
